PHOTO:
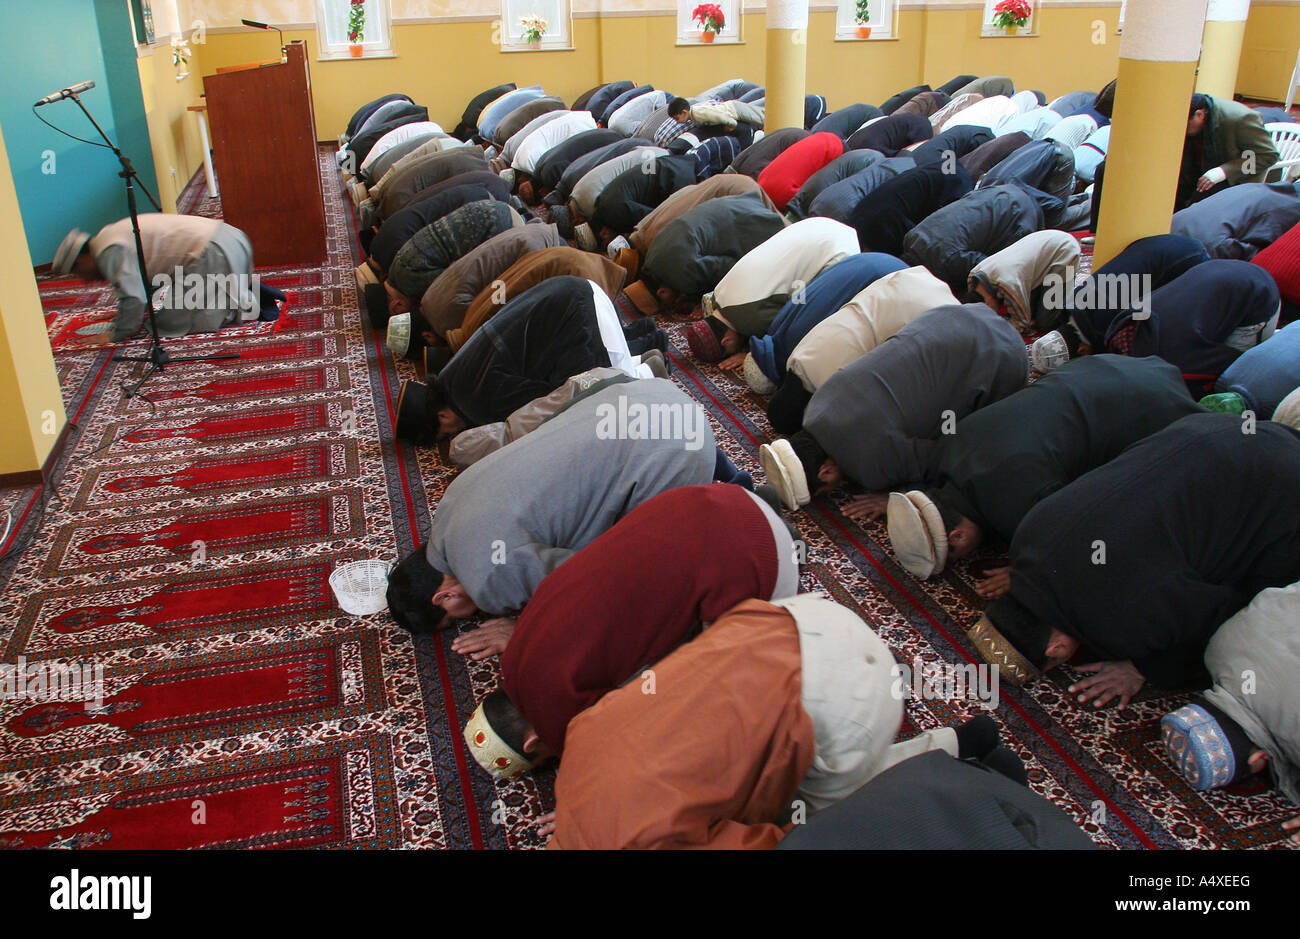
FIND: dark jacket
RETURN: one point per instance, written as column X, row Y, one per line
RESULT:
column 958, row 141
column 1006, row 458
column 933, row 802
column 842, row 167
column 469, row 119
column 631, row 195
column 754, row 159
column 960, row 235
column 1045, row 165
column 892, row 134
column 990, row 153
column 1195, row 520
column 366, row 110
column 896, row 206
column 514, row 122
column 556, row 160
column 898, row 100
column 838, row 200
column 597, row 103
column 361, row 145
column 536, row 342
column 848, row 119
column 696, row 250
column 398, row 229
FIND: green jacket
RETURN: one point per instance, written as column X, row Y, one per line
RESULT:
column 1239, row 130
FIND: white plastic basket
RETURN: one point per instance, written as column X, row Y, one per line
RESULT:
column 361, row 586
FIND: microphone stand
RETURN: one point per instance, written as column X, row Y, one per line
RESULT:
column 158, row 357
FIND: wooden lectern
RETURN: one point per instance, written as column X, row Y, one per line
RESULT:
column 264, row 146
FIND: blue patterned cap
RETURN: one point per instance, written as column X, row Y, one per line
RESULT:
column 1199, row 747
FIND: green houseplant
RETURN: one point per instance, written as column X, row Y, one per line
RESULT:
column 862, row 16
column 356, row 26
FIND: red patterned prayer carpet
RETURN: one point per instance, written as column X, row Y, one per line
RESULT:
column 188, row 551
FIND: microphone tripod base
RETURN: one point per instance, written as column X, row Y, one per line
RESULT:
column 158, row 358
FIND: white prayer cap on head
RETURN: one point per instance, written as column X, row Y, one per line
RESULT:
column 1049, row 352
column 585, row 237
column 1288, row 412
column 783, row 470
column 71, row 246
column 399, row 333
column 754, row 377
column 917, row 533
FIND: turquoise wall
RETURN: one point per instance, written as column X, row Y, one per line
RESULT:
column 68, row 42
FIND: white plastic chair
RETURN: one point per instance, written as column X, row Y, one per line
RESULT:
column 1294, row 86
column 1286, row 138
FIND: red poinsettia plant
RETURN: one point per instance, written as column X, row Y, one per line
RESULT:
column 357, row 21
column 710, row 17
column 1011, row 13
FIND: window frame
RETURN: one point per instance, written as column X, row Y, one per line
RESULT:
column 847, row 9
column 688, row 32
column 551, row 42
column 327, row 51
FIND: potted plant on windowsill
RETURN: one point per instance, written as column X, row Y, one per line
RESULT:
column 711, row 20
column 356, row 27
column 180, row 56
column 862, row 16
column 533, row 29
column 1011, row 15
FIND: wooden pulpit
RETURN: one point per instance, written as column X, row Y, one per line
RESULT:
column 264, row 147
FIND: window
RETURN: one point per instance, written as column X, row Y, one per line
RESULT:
column 1123, row 5
column 332, row 17
column 688, row 31
column 881, row 22
column 556, row 14
column 991, row 30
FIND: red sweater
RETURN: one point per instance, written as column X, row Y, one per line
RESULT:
column 1282, row 260
column 782, row 178
column 633, row 595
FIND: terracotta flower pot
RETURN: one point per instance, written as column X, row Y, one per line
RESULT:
column 355, row 50
column 864, row 32
column 707, row 36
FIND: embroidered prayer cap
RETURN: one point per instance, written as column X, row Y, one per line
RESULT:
column 705, row 338
column 1048, row 352
column 489, row 750
column 754, row 377
column 1207, row 747
column 998, row 651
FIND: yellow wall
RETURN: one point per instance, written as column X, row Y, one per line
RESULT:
column 32, row 416
column 1268, row 51
column 173, row 131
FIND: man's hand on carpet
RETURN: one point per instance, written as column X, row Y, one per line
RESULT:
column 995, row 583
column 545, row 825
column 867, row 507
column 1293, row 826
column 733, row 363
column 1109, row 680
column 488, row 640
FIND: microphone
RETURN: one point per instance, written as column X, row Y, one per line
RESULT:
column 254, row 24
column 79, row 88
